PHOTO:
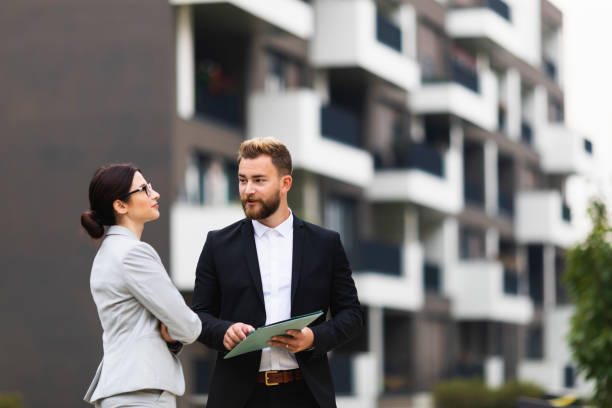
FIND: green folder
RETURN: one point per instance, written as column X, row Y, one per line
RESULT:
column 258, row 339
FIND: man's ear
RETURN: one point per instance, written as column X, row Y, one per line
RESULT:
column 120, row 207
column 286, row 183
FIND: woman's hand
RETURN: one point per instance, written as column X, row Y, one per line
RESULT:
column 164, row 333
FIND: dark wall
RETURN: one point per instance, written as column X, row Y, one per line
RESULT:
column 82, row 83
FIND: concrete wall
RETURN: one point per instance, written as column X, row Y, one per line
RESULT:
column 82, row 84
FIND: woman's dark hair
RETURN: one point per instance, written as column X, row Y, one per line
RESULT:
column 109, row 183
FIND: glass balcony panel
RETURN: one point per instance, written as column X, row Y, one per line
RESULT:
column 511, row 282
column 388, row 33
column 373, row 256
column 464, row 75
column 340, row 124
column 431, row 277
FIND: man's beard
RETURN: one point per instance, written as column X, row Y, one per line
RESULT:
column 268, row 207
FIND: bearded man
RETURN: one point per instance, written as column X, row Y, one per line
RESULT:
column 266, row 268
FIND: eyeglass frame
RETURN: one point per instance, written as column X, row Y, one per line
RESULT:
column 147, row 188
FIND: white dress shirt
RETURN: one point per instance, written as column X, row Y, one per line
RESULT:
column 275, row 254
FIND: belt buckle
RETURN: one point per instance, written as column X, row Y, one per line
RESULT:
column 268, row 383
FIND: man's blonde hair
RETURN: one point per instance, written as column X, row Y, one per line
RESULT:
column 278, row 152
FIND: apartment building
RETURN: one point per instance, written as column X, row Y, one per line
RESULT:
column 429, row 133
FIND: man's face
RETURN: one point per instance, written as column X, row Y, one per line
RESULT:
column 260, row 187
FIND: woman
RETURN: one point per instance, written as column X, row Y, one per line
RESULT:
column 134, row 297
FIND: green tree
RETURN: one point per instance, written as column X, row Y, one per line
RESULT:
column 589, row 282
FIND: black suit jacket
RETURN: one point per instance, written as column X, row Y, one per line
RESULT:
column 228, row 290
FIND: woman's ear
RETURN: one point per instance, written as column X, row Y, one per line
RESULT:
column 120, row 207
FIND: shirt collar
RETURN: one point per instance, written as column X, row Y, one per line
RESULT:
column 285, row 228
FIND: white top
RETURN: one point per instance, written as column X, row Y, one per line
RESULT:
column 275, row 254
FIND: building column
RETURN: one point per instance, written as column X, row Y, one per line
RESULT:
column 549, row 278
column 512, row 97
column 185, row 63
column 491, row 177
column 492, row 243
column 376, row 340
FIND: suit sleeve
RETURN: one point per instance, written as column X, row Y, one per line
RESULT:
column 207, row 299
column 346, row 314
column 148, row 281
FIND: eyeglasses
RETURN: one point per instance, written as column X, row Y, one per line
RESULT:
column 147, row 188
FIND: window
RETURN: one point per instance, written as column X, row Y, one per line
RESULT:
column 472, row 243
column 209, row 181
column 283, row 72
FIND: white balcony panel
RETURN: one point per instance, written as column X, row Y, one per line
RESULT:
column 294, row 118
column 563, row 151
column 189, row 226
column 420, row 187
column 478, row 294
column 293, row 16
column 345, row 36
column 450, row 97
column 403, row 292
column 479, row 22
column 538, row 219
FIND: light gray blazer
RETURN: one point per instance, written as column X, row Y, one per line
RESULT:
column 133, row 293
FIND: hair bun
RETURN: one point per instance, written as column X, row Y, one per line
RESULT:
column 92, row 224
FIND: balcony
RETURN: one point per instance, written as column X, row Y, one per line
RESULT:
column 477, row 292
column 341, row 125
column 189, row 225
column 377, row 257
column 293, row 16
column 540, row 219
column 490, row 21
column 378, row 287
column 564, row 152
column 361, row 38
column 422, row 176
column 312, row 134
column 466, row 93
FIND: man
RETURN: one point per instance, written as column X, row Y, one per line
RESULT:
column 267, row 268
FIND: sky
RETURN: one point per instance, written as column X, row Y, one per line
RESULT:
column 587, row 81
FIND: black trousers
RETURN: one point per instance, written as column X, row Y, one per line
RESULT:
column 295, row 394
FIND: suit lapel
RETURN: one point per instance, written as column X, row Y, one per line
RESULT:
column 250, row 253
column 298, row 251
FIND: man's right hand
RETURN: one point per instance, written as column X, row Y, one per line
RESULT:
column 235, row 334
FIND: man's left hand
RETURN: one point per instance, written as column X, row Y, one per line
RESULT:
column 294, row 340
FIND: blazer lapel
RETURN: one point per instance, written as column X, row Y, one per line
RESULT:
column 298, row 251
column 250, row 253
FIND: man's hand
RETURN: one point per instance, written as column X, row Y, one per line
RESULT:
column 164, row 333
column 235, row 334
column 295, row 340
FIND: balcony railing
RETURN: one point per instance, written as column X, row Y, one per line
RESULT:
column 388, row 33
column 340, row 124
column 566, row 212
column 511, row 282
column 551, row 69
column 431, row 277
column 500, row 7
column 341, row 366
column 506, row 203
column 223, row 106
column 474, row 192
column 526, row 133
column 373, row 256
column 464, row 75
column 588, row 146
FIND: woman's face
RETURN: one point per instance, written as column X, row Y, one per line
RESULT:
column 142, row 205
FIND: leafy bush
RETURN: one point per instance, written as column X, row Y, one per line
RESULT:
column 588, row 278
column 11, row 400
column 474, row 394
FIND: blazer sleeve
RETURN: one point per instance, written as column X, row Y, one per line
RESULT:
column 206, row 298
column 148, row 281
column 346, row 313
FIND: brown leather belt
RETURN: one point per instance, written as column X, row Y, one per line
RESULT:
column 279, row 377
